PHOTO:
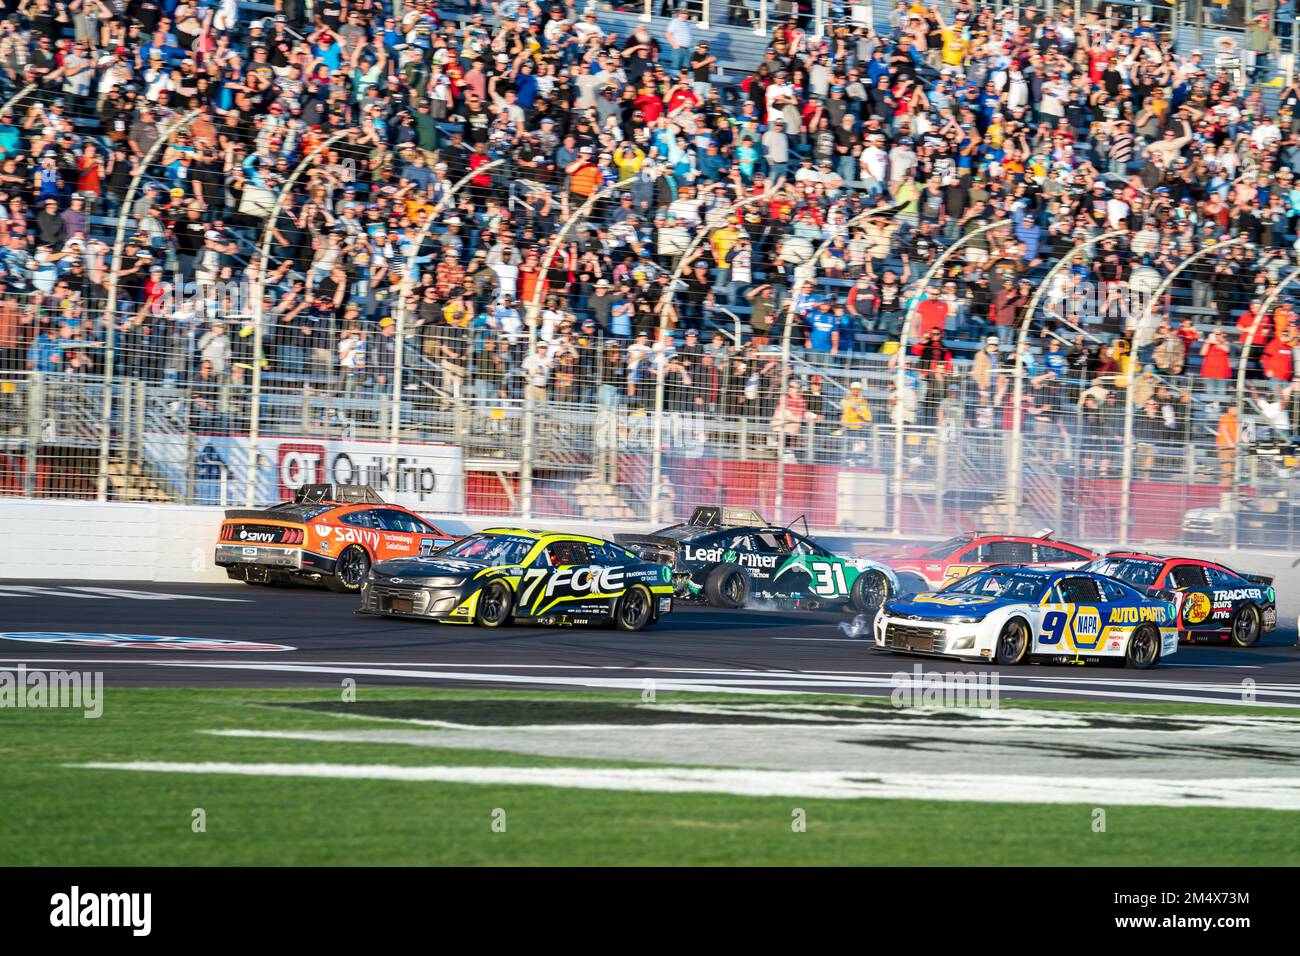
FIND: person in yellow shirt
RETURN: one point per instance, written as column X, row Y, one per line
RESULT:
column 955, row 45
column 628, row 158
column 724, row 238
column 855, row 416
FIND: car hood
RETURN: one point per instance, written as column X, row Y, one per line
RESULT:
column 933, row 604
column 431, row 567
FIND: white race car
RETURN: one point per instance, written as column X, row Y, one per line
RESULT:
column 1007, row 615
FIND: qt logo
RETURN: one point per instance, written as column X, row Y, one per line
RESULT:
column 299, row 463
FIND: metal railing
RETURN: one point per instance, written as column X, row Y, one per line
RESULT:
column 188, row 443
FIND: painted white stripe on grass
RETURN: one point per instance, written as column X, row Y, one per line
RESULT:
column 761, row 682
column 1257, row 793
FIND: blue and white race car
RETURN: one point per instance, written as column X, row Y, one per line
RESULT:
column 1008, row 615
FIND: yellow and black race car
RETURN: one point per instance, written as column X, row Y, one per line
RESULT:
column 506, row 575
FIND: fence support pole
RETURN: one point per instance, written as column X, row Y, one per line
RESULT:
column 657, row 455
column 1237, row 462
column 900, row 364
column 531, row 314
column 801, row 275
column 259, row 309
column 403, row 293
column 114, row 276
column 1015, row 460
column 1126, row 476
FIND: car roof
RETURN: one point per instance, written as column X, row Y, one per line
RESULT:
column 1048, row 574
column 1166, row 559
column 1033, row 569
column 548, row 537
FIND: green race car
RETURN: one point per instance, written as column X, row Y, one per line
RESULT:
column 726, row 556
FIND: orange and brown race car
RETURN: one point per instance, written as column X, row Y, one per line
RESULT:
column 328, row 534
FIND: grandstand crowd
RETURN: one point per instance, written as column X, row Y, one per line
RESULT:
column 919, row 131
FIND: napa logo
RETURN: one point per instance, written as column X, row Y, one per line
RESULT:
column 1157, row 614
column 1087, row 624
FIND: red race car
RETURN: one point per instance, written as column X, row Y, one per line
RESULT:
column 328, row 534
column 939, row 565
column 1215, row 603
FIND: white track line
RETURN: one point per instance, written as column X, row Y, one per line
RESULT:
column 1259, row 793
column 758, row 684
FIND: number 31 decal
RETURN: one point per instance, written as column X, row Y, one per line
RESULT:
column 828, row 579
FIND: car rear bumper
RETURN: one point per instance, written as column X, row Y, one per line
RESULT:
column 267, row 556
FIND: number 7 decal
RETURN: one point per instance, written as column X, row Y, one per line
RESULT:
column 1053, row 627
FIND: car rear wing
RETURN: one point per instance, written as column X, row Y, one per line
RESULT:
column 652, row 547
column 1264, row 579
column 713, row 516
column 338, row 494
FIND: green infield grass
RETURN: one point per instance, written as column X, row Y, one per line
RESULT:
column 54, row 812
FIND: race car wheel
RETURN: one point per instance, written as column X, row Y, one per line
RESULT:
column 1245, row 626
column 727, row 586
column 350, row 570
column 1143, row 648
column 634, row 609
column 1013, row 642
column 494, row 605
column 869, row 592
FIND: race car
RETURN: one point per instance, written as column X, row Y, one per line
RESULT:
column 726, row 556
column 1215, row 603
column 504, row 575
column 934, row 566
column 328, row 534
column 1009, row 615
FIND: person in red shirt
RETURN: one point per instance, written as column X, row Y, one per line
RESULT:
column 1279, row 356
column 649, row 103
column 1188, row 332
column 1216, row 368
column 931, row 314
column 478, row 159
column 681, row 96
column 1247, row 321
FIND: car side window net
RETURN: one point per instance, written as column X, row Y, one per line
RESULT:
column 1188, row 576
column 1079, row 591
column 565, row 553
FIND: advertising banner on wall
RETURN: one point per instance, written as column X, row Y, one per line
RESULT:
column 430, row 477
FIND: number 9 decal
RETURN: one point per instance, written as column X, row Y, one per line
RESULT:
column 1053, row 627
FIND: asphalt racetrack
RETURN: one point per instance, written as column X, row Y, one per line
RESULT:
column 318, row 641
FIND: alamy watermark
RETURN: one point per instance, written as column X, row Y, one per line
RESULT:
column 76, row 908
column 78, row 690
column 1084, row 301
column 215, row 299
column 682, row 432
column 944, row 688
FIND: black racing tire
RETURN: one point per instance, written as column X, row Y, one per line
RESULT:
column 1013, row 643
column 494, row 605
column 727, row 586
column 1143, row 649
column 1246, row 627
column 869, row 592
column 350, row 570
column 635, row 609
column 911, row 583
